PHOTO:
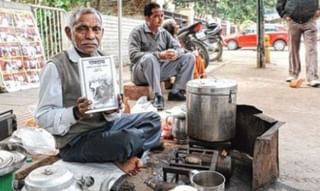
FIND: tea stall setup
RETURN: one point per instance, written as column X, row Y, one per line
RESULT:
column 217, row 145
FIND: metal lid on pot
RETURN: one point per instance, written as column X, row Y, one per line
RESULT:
column 184, row 188
column 6, row 161
column 10, row 161
column 211, row 86
column 49, row 178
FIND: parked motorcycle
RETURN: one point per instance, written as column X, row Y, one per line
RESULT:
column 188, row 40
column 211, row 37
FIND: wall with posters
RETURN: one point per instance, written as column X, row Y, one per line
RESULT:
column 21, row 54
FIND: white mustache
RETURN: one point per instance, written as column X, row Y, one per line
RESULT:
column 90, row 43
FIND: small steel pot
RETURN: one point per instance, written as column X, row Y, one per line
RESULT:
column 179, row 127
column 184, row 188
column 12, row 157
column 207, row 180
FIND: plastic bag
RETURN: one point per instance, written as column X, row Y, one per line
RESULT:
column 35, row 140
column 31, row 122
column 143, row 105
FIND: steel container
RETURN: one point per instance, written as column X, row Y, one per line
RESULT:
column 211, row 109
column 10, row 161
column 51, row 178
column 179, row 129
column 207, row 180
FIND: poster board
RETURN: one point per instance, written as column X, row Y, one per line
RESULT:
column 21, row 53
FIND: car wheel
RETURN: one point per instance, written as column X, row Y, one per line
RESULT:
column 232, row 45
column 279, row 45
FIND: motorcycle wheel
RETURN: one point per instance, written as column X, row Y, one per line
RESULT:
column 203, row 51
column 215, row 51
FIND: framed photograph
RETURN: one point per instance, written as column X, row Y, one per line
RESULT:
column 98, row 83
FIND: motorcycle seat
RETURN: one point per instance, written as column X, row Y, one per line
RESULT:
column 212, row 31
column 212, row 25
column 188, row 28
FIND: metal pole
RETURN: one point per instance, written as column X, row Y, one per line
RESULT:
column 260, row 37
column 206, row 16
column 215, row 9
column 119, row 45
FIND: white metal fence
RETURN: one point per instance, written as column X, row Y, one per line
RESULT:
column 110, row 39
column 50, row 23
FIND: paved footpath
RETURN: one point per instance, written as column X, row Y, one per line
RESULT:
column 264, row 88
column 299, row 142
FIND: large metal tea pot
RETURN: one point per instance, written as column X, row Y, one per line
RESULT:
column 211, row 109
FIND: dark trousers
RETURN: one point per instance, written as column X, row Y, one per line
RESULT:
column 126, row 136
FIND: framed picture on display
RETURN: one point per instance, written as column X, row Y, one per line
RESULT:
column 98, row 83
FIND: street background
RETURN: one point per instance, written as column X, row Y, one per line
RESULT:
column 299, row 143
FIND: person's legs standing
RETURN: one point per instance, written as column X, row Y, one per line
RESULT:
column 294, row 35
column 310, row 41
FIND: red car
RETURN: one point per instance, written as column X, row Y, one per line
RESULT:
column 278, row 36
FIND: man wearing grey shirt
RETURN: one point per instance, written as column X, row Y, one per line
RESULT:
column 98, row 137
column 155, row 56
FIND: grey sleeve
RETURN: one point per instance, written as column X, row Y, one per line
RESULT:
column 135, row 52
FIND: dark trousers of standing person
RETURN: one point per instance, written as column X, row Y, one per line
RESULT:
column 118, row 140
column 309, row 32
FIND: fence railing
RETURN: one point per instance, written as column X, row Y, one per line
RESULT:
column 50, row 23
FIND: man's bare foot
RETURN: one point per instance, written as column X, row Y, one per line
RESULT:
column 132, row 166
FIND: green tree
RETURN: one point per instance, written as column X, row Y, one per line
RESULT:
column 64, row 4
column 236, row 11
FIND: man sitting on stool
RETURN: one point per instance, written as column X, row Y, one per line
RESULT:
column 156, row 56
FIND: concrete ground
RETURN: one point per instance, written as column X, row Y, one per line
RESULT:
column 299, row 143
column 299, row 108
